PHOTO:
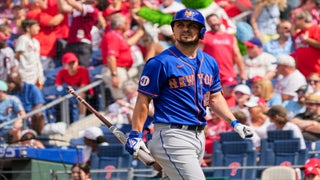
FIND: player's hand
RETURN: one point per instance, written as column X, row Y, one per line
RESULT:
column 134, row 143
column 243, row 130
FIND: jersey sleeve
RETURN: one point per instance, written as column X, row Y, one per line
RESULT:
column 152, row 78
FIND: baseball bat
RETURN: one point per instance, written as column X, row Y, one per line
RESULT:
column 143, row 156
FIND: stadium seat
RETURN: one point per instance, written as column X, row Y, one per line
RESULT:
column 113, row 156
column 279, row 172
column 50, row 75
column 234, row 154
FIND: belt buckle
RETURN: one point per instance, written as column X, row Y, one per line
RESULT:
column 184, row 127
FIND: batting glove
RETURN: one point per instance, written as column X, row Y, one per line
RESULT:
column 134, row 143
column 243, row 130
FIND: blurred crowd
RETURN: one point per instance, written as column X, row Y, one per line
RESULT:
column 268, row 52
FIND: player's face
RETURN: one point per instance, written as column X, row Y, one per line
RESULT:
column 186, row 32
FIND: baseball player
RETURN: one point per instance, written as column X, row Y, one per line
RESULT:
column 182, row 81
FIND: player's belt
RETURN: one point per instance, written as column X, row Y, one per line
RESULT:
column 187, row 127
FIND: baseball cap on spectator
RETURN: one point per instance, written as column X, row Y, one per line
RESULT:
column 311, row 166
column 305, row 89
column 243, row 89
column 3, row 86
column 69, row 57
column 93, row 133
column 29, row 131
column 312, row 99
column 255, row 41
column 254, row 101
column 231, row 82
column 277, row 110
column 286, row 60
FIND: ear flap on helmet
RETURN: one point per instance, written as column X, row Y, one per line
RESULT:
column 202, row 31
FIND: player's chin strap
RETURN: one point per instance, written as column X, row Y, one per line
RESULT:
column 243, row 130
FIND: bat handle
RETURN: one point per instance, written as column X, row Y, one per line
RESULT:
column 145, row 158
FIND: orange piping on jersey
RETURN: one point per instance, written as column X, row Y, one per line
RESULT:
column 150, row 94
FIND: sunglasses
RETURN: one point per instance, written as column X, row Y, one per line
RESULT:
column 312, row 81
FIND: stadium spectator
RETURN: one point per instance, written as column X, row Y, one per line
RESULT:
column 308, row 121
column 282, row 45
column 257, row 62
column 280, row 121
column 263, row 88
column 290, row 79
column 84, row 17
column 29, row 94
column 120, row 112
column 46, row 36
column 19, row 14
column 296, row 106
column 116, row 53
column 28, row 54
column 92, row 137
column 80, row 171
column 307, row 44
column 224, row 48
column 117, row 6
column 228, row 84
column 310, row 6
column 313, row 81
column 243, row 93
column 265, row 17
column 10, row 108
column 259, row 121
column 73, row 75
column 5, row 11
column 8, row 63
column 28, row 138
column 311, row 169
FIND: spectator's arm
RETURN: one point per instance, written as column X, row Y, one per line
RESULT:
column 101, row 21
column 17, row 55
column 75, row 5
column 64, row 6
column 241, row 6
column 237, row 58
column 253, row 20
column 56, row 20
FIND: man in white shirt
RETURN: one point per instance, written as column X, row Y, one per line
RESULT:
column 290, row 78
column 257, row 62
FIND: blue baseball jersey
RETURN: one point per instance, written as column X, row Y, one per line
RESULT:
column 180, row 86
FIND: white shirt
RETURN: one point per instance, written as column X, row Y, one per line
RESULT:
column 30, row 66
column 7, row 61
column 290, row 83
column 260, row 65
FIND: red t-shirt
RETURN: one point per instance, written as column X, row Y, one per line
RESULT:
column 124, row 9
column 220, row 47
column 62, row 30
column 307, row 57
column 113, row 44
column 46, row 36
column 82, row 23
column 80, row 78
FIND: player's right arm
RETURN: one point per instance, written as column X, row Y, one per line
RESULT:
column 140, row 112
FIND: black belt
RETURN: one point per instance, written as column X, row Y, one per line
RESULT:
column 187, row 127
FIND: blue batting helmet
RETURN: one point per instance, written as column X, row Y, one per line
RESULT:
column 190, row 15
